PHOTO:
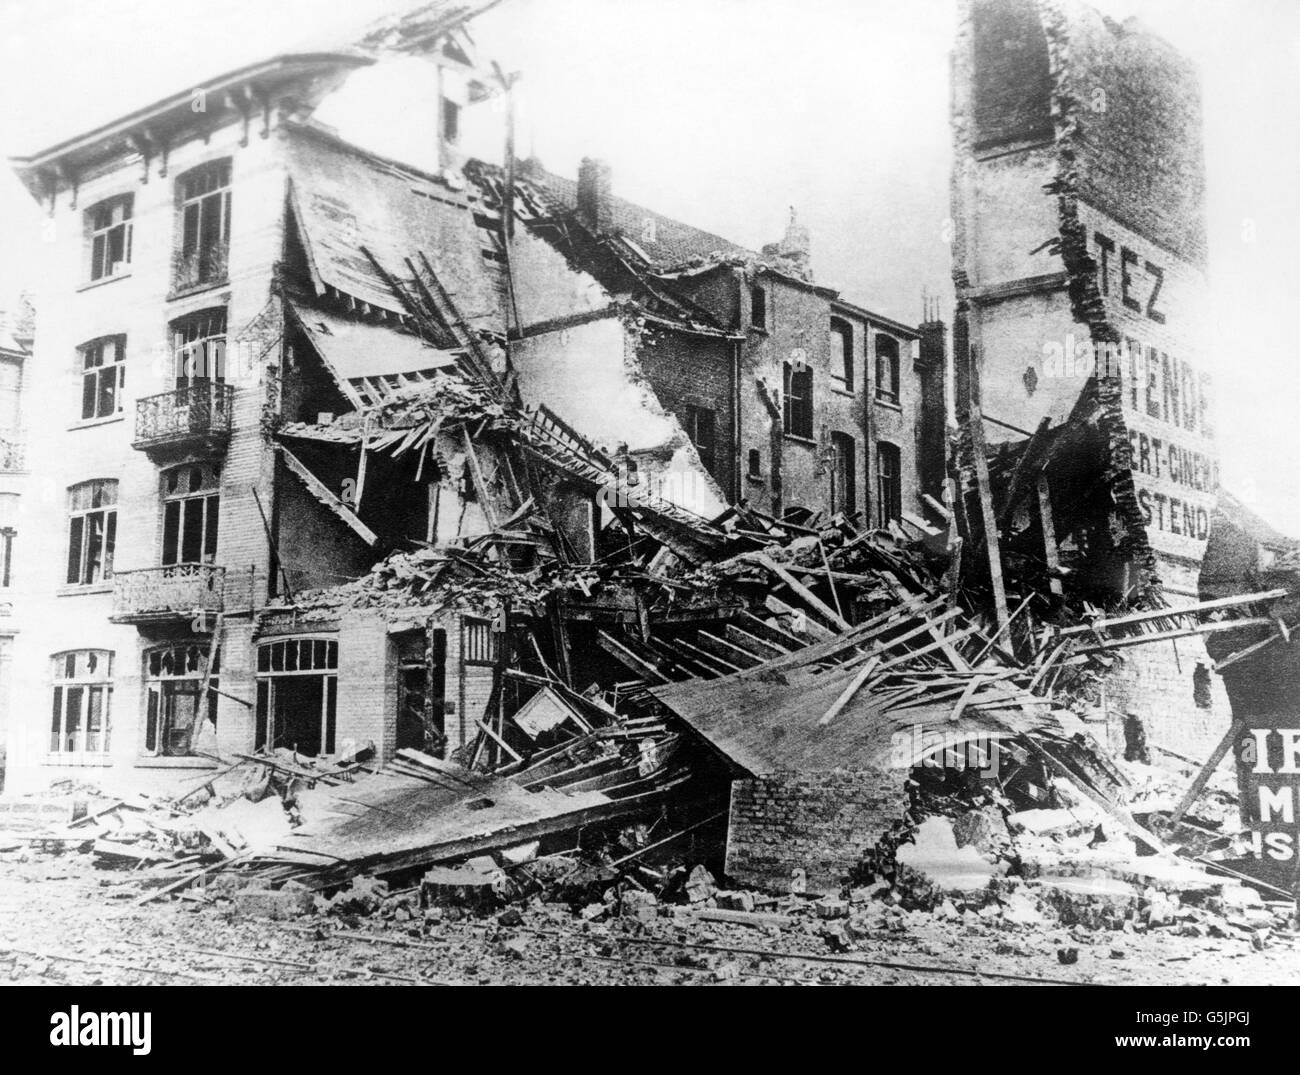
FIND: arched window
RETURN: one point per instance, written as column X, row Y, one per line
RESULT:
column 842, row 354
column 887, row 368
column 92, row 531
column 83, row 692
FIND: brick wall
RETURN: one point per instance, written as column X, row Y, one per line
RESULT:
column 695, row 371
column 823, row 823
column 367, row 698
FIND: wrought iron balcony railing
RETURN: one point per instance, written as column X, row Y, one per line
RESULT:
column 177, row 591
column 199, row 411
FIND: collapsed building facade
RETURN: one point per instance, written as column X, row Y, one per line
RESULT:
column 487, row 474
column 338, row 362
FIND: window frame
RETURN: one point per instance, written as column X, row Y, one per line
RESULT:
column 889, row 486
column 708, row 452
column 888, row 388
column 207, row 343
column 100, row 235
column 78, row 531
column 202, row 251
column 66, row 680
column 205, row 499
column 95, row 375
column 161, row 685
column 841, row 331
column 760, row 312
column 797, row 405
column 844, row 500
column 267, row 675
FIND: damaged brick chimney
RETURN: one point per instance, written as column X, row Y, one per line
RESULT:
column 932, row 433
column 793, row 253
column 595, row 194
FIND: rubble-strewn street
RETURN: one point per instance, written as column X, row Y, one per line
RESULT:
column 101, row 936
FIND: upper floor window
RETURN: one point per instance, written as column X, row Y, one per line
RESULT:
column 191, row 505
column 203, row 203
column 798, row 398
column 83, row 691
column 450, row 121
column 887, row 365
column 109, row 227
column 842, row 354
column 758, row 307
column 700, row 428
column 103, row 377
column 889, row 483
column 92, row 531
column 199, row 347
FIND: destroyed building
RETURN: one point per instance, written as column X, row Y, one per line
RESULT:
column 287, row 371
column 1079, row 341
column 541, row 511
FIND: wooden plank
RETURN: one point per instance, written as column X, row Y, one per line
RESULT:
column 706, row 663
column 727, row 651
column 1164, row 636
column 1207, row 770
column 752, row 644
column 847, row 695
column 814, row 629
column 762, row 629
column 615, row 648
column 1169, row 613
column 984, row 493
column 725, row 667
column 965, row 698
column 318, row 489
column 1051, row 554
column 828, row 614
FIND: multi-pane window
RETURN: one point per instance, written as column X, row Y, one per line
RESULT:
column 844, row 474
column 191, row 505
column 92, row 532
column 798, row 400
column 103, row 377
column 887, row 363
column 203, row 196
column 297, row 694
column 889, row 483
column 83, row 692
column 700, row 428
column 109, row 225
column 174, row 686
column 842, row 355
column 199, row 347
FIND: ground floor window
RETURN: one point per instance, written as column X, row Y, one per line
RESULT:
column 83, row 693
column 889, row 483
column 174, row 686
column 297, row 695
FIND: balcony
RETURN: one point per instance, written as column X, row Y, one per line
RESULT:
column 196, row 416
column 166, row 594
